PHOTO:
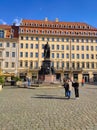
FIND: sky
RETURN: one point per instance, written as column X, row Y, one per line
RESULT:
column 65, row 10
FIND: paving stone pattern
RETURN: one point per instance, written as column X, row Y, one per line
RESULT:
column 47, row 109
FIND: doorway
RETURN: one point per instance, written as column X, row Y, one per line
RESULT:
column 86, row 77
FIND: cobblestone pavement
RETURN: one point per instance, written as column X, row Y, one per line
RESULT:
column 47, row 109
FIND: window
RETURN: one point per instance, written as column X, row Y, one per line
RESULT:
column 26, row 63
column 82, row 40
column 77, row 56
column 67, row 47
column 22, row 38
column 57, row 39
column 82, row 48
column 92, row 56
column 53, row 55
column 72, row 47
column 92, row 64
column 78, row 65
column 48, row 39
column 14, row 45
column 42, row 38
column 67, row 39
column 62, row 55
column 62, row 39
column 73, row 65
column 77, row 47
column 82, row 56
column 26, row 54
column 52, row 39
column 37, row 39
column 96, row 56
column 52, row 47
column 87, row 56
column 92, row 48
column 57, row 55
column 62, row 47
column 36, row 64
column 62, row 64
column 21, row 54
column 87, row 65
column 31, row 54
column 87, row 40
column 83, row 64
column 26, row 45
column 67, row 55
column 87, row 48
column 67, row 65
column 21, row 45
column 13, row 54
column 6, row 64
column 73, row 56
column 36, row 55
column 77, row 40
column 72, row 40
column 31, row 64
column 21, row 64
column 36, row 46
column 31, row 46
column 26, row 38
column 13, row 65
column 1, row 34
column 7, row 54
column 32, row 38
column 57, row 47
column 7, row 44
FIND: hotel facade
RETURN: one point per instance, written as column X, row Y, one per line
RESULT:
column 73, row 47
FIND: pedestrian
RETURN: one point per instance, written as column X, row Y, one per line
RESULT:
column 66, row 87
column 70, row 88
column 83, row 81
column 29, row 81
column 25, row 82
column 76, row 88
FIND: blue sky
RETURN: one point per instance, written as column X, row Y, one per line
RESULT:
column 65, row 10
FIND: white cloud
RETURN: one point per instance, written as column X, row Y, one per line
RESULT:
column 17, row 21
column 3, row 22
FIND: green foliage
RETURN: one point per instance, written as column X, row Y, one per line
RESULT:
column 2, row 80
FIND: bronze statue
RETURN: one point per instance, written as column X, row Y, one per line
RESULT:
column 46, row 51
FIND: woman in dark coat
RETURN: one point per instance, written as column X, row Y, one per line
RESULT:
column 76, row 88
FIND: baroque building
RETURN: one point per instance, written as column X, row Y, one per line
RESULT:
column 73, row 47
column 8, row 49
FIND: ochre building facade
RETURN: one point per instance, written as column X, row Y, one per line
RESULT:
column 73, row 47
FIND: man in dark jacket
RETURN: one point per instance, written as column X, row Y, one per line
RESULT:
column 75, row 84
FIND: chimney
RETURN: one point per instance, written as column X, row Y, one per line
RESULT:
column 46, row 19
column 57, row 20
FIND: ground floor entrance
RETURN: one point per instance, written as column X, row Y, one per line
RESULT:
column 86, row 78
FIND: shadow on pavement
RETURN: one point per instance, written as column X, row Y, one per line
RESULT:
column 51, row 97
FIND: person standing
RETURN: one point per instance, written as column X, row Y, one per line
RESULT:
column 76, row 89
column 66, row 87
column 70, row 88
column 83, row 81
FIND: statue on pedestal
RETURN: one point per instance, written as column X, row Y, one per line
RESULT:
column 47, row 51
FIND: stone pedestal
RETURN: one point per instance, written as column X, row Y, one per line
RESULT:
column 46, row 73
column 48, row 78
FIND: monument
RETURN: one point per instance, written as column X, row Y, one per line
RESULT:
column 47, row 72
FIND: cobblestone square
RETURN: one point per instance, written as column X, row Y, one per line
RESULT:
column 47, row 109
